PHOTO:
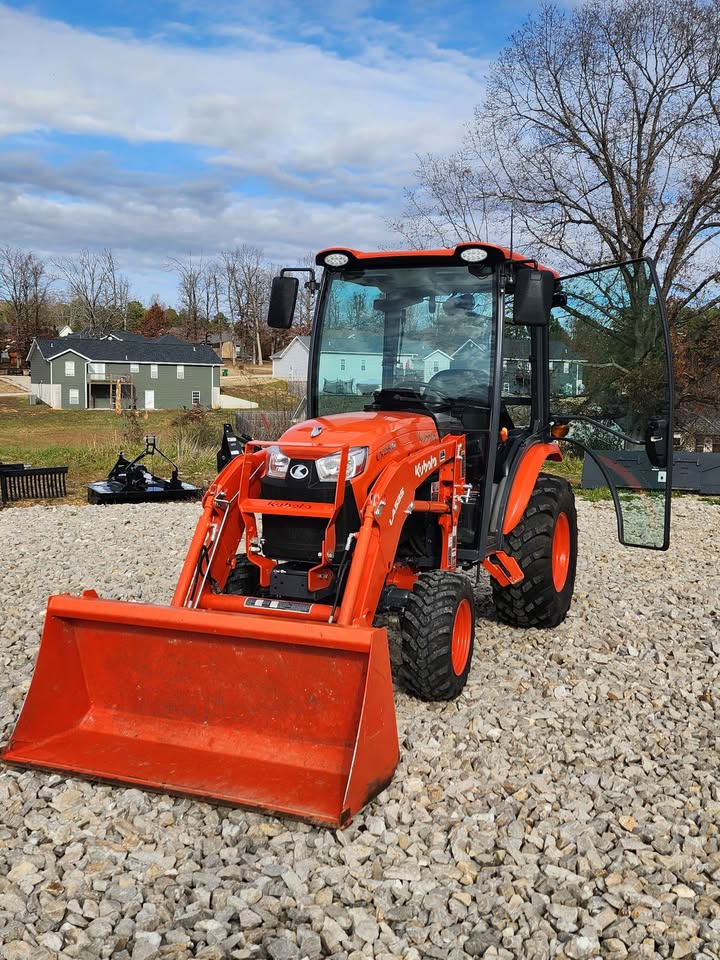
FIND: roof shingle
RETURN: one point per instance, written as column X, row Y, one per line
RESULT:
column 135, row 349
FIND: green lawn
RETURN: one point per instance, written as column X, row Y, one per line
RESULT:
column 267, row 393
column 88, row 441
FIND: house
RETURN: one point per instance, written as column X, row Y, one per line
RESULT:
column 354, row 363
column 291, row 363
column 435, row 362
column 566, row 368
column 123, row 370
column 697, row 432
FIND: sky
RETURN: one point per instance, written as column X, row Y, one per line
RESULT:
column 174, row 129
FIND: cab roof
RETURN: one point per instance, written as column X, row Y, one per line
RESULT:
column 496, row 254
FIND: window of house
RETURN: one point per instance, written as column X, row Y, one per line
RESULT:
column 342, row 364
column 69, row 368
column 506, row 387
column 436, row 366
column 180, row 371
column 96, row 370
column 195, row 398
column 153, row 371
column 74, row 397
column 566, row 367
column 362, row 365
column 134, row 368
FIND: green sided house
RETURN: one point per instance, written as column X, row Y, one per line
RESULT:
column 123, row 371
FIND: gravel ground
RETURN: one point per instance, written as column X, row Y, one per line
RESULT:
column 567, row 805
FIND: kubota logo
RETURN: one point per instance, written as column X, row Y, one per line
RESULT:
column 299, row 471
column 426, row 466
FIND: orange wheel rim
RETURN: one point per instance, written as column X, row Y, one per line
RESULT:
column 561, row 551
column 461, row 638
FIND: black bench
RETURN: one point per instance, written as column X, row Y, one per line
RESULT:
column 18, row 482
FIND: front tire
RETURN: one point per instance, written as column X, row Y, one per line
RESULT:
column 438, row 632
column 544, row 543
column 244, row 578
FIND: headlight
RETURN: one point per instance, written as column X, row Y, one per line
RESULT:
column 336, row 259
column 278, row 463
column 473, row 255
column 329, row 466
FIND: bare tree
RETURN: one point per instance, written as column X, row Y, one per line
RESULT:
column 211, row 283
column 190, row 282
column 25, row 284
column 99, row 292
column 452, row 203
column 601, row 129
column 247, row 276
column 305, row 309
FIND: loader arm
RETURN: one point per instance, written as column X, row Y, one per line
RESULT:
column 392, row 499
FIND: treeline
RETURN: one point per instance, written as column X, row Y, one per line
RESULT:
column 225, row 296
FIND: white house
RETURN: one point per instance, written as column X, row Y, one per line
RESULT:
column 291, row 363
column 435, row 362
column 353, row 364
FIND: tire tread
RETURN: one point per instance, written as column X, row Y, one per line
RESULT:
column 427, row 625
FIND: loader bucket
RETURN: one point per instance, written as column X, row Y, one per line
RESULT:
column 280, row 715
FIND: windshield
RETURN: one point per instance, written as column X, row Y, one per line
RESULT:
column 424, row 330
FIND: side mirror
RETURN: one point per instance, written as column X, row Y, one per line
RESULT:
column 281, row 308
column 533, row 297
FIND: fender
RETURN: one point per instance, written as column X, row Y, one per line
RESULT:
column 524, row 481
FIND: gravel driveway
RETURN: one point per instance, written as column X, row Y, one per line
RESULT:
column 568, row 804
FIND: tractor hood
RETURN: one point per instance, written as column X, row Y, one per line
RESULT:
column 382, row 433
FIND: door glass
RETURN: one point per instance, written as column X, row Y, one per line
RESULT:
column 610, row 373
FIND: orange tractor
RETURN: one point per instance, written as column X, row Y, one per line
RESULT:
column 440, row 382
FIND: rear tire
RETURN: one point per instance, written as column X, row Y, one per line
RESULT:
column 244, row 579
column 544, row 543
column 438, row 631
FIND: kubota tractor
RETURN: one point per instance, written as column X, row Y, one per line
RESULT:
column 440, row 383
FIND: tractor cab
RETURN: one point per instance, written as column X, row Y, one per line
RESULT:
column 505, row 352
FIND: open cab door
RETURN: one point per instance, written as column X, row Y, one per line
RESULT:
column 611, row 381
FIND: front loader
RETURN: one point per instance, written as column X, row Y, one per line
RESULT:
column 440, row 383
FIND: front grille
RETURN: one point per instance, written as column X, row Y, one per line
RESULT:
column 296, row 537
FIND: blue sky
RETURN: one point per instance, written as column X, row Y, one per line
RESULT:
column 165, row 130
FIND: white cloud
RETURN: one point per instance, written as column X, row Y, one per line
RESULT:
column 294, row 105
column 335, row 137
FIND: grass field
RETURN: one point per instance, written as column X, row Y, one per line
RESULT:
column 87, row 442
column 266, row 392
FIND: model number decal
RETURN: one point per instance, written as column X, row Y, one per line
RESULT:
column 384, row 451
column 398, row 500
column 265, row 603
